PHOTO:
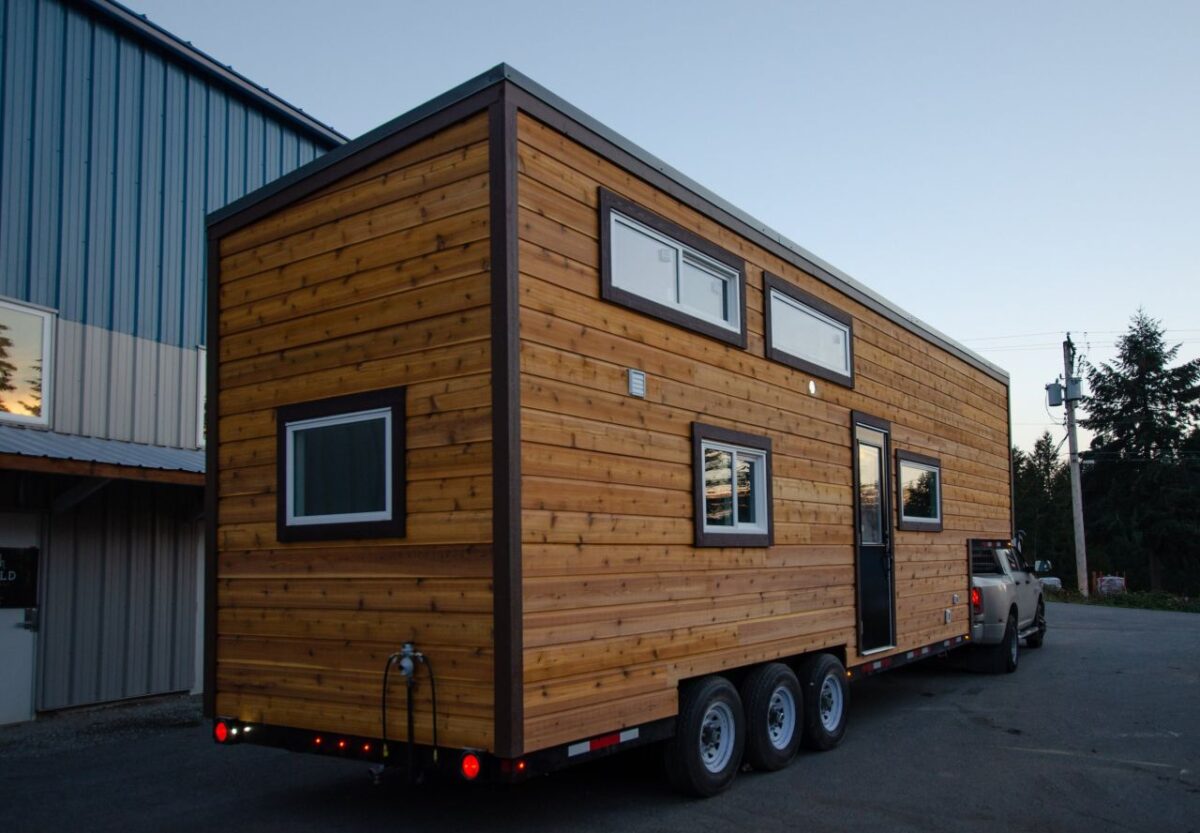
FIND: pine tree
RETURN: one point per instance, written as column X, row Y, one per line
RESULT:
column 7, row 368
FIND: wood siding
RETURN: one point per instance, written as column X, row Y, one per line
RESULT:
column 618, row 604
column 377, row 281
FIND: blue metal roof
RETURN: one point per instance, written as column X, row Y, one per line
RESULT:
column 32, row 442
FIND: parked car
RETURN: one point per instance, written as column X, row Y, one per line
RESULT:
column 1007, row 604
column 1051, row 583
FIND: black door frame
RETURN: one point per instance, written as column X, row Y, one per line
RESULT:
column 858, row 418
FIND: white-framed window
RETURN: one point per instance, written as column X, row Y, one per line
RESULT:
column 26, row 363
column 806, row 333
column 656, row 267
column 201, row 395
column 733, row 492
column 339, row 468
column 919, row 491
column 667, row 272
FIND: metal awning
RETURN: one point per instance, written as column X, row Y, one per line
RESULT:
column 30, row 449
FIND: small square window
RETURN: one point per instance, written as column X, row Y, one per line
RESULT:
column 804, row 332
column 26, row 361
column 341, row 468
column 918, row 492
column 651, row 265
column 733, row 488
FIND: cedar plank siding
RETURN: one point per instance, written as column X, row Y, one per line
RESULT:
column 378, row 280
column 618, row 605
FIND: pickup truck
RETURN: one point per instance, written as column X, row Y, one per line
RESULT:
column 1006, row 604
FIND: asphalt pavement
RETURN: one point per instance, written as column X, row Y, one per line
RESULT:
column 1098, row 730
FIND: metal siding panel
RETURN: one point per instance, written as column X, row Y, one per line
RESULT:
column 58, row 613
column 120, row 387
column 272, row 151
column 95, row 388
column 184, row 363
column 175, row 130
column 98, row 275
column 46, row 172
column 183, row 609
column 216, row 158
column 87, row 603
column 141, row 598
column 126, row 165
column 168, row 405
column 290, row 152
column 16, row 116
column 162, row 638
column 150, row 208
column 194, row 238
column 65, row 413
column 145, row 391
column 114, row 620
column 255, row 156
column 235, row 151
column 72, row 267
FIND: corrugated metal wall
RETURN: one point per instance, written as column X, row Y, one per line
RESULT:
column 118, row 616
column 110, row 157
column 119, row 387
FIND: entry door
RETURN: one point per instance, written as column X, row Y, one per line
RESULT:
column 873, row 521
column 19, row 539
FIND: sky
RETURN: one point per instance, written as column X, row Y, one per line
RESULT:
column 1006, row 172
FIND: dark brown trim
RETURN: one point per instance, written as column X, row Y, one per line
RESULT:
column 90, row 468
column 614, row 294
column 702, row 432
column 506, row 432
column 212, row 444
column 905, row 456
column 860, row 418
column 393, row 398
column 343, row 161
column 778, row 284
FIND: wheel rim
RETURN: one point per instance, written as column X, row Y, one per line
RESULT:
column 781, row 718
column 831, row 703
column 717, row 737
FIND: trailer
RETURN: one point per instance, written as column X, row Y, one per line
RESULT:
column 524, row 448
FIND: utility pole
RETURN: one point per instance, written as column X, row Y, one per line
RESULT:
column 1072, row 395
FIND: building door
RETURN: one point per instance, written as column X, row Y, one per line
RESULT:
column 19, row 550
column 873, row 538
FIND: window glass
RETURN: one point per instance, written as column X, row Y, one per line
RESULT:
column 807, row 334
column 870, row 497
column 340, row 468
column 642, row 263
column 747, row 497
column 24, row 340
column 918, row 492
column 662, row 270
column 718, row 489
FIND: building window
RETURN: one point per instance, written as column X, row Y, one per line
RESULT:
column 661, row 269
column 919, row 491
column 341, row 467
column 732, row 472
column 804, row 332
column 26, row 358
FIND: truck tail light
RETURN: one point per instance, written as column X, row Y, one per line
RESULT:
column 976, row 601
column 470, row 766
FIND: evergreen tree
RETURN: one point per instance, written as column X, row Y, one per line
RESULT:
column 7, row 368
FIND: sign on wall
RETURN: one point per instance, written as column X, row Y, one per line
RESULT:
column 18, row 577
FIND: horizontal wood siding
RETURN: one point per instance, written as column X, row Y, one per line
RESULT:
column 377, row 281
column 618, row 605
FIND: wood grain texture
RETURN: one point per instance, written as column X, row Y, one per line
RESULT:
column 375, row 282
column 619, row 606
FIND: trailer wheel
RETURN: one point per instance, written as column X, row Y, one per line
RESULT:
column 774, row 709
column 826, row 696
column 1035, row 639
column 705, row 754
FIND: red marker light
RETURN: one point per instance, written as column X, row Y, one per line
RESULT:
column 317, row 740
column 341, row 744
column 520, row 766
column 470, row 767
column 366, row 747
column 221, row 732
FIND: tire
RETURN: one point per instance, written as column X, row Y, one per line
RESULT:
column 1035, row 639
column 774, row 710
column 1006, row 654
column 826, row 701
column 705, row 754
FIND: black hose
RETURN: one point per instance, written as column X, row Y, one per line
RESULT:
column 383, row 704
column 410, row 683
column 433, row 696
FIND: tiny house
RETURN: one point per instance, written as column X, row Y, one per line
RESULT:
column 524, row 448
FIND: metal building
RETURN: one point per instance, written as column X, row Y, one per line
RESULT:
column 116, row 139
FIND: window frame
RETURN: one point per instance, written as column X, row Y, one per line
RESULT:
column 908, row 523
column 774, row 283
column 685, row 240
column 327, row 411
column 49, row 331
column 703, row 436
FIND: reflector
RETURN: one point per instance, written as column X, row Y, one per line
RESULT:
column 221, row 732
column 470, row 767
